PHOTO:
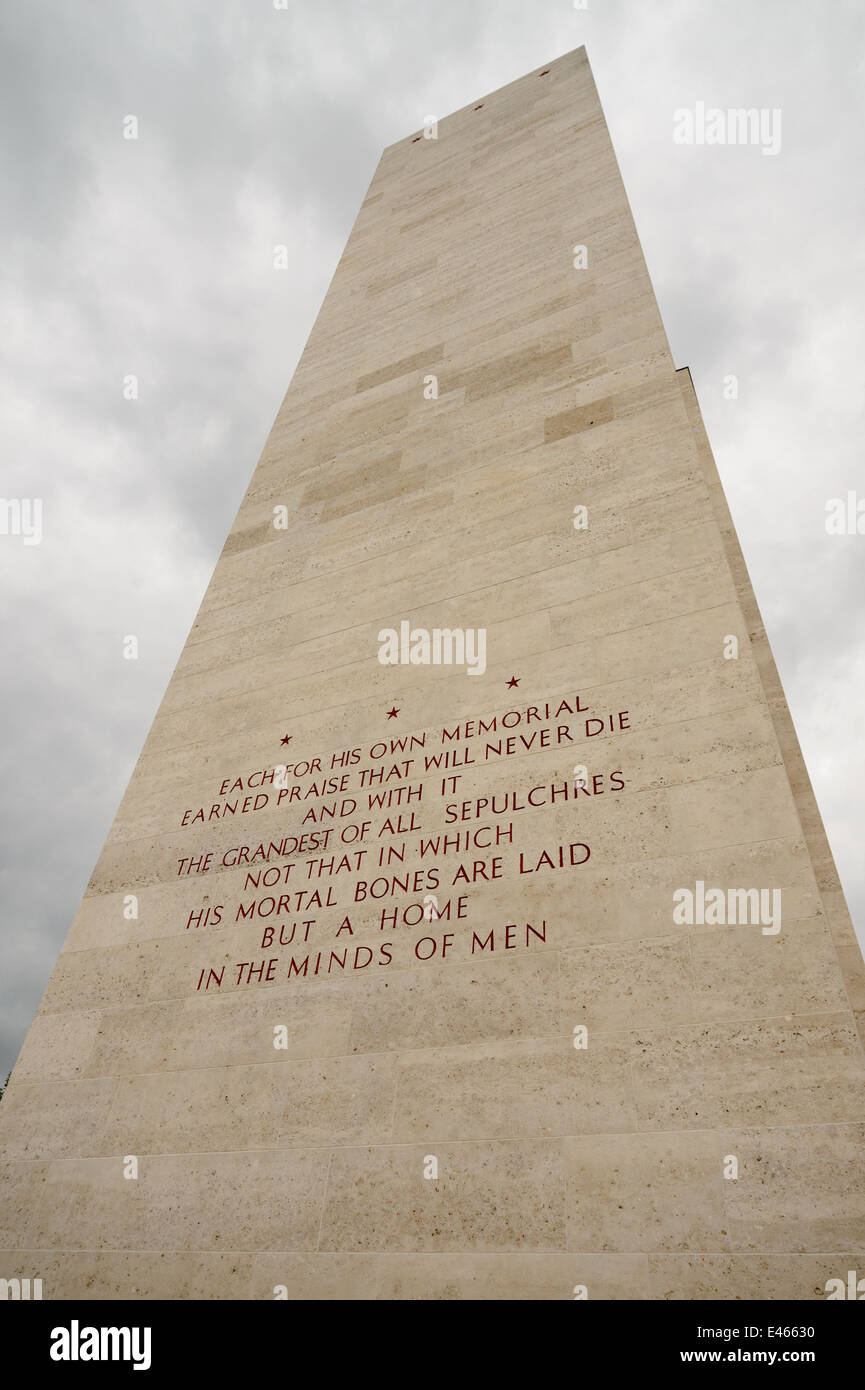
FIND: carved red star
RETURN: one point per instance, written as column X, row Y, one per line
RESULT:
column 287, row 738
column 514, row 680
column 393, row 712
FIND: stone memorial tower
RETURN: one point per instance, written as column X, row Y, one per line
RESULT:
column 468, row 928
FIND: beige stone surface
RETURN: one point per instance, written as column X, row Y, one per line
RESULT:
column 427, row 1128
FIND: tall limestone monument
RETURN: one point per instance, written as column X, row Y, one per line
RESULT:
column 468, row 928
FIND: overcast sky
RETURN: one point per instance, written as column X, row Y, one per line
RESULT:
column 260, row 126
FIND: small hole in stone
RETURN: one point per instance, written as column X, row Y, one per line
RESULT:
column 544, row 73
column 477, row 108
column 415, row 140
